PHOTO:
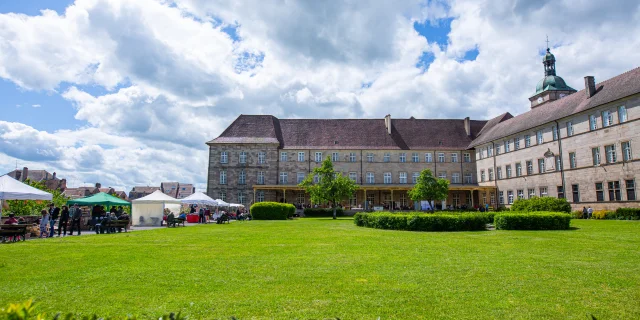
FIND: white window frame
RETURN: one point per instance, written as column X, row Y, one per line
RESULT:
column 508, row 170
column 260, row 196
column 371, row 178
column 467, row 157
column 387, row 178
column 454, row 158
column 554, row 132
column 414, row 177
column 610, row 151
column 387, row 157
column 224, row 157
column 242, row 177
column 318, row 156
column 284, row 178
column 415, row 157
column 593, row 122
column 442, row 175
column 352, row 157
column 622, row 114
column 607, row 118
column 510, row 196
column 627, row 155
column 569, row 129
column 283, row 157
column 507, row 146
column 573, row 161
column 260, row 177
column 595, row 155
column 455, row 177
column 539, row 137
column 370, row 157
column 518, row 169
column 516, row 143
column 468, row 178
column 301, row 156
column 262, row 157
column 482, row 176
column 223, row 176
column 335, row 156
column 353, row 176
column 403, row 157
column 527, row 141
column 242, row 158
column 428, row 157
column 402, row 177
column 441, row 157
column 531, row 192
column 544, row 192
column 541, row 166
column 300, row 177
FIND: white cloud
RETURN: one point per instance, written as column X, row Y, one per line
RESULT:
column 174, row 79
column 35, row 105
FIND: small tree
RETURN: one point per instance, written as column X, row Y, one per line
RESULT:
column 332, row 186
column 429, row 188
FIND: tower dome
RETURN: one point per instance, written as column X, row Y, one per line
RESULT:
column 551, row 82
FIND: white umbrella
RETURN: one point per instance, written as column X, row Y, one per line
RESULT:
column 200, row 198
column 12, row 189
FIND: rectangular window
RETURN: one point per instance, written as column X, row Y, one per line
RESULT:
column 442, row 175
column 316, row 178
column 490, row 174
column 335, row 157
column 543, row 191
column 242, row 177
column 541, row 166
column 575, row 191
column 455, row 177
column 507, row 146
column 569, row 129
column 241, row 197
column 492, row 198
column 482, row 177
column 468, row 178
column 518, row 169
column 626, row 151
column 440, row 157
column 593, row 124
column 599, row 191
column 611, row 153
column 554, row 131
column 529, row 167
column 501, row 197
column 558, row 163
column 510, row 196
column 353, row 176
column 630, row 185
column 387, row 177
column 414, row 177
column 415, row 157
column 539, row 137
column 516, row 143
column 223, row 176
column 353, row 200
column 531, row 192
column 573, row 162
column 428, row 157
column 369, row 157
column 300, row 198
column 622, row 114
column 456, row 200
column 300, row 156
column 283, row 157
column 284, row 178
column 521, row 194
column 499, row 172
column 352, row 157
column 508, row 169
column 387, row 157
column 595, row 153
column 403, row 177
column 403, row 157
column 262, row 157
column 614, row 191
column 223, row 195
column 260, row 196
column 318, row 156
column 370, row 178
column 454, row 157
column 243, row 157
column 299, row 177
column 224, row 158
column 497, row 149
column 607, row 118
column 489, row 151
column 560, row 192
column 527, row 141
column 260, row 177
column 467, row 157
column 370, row 198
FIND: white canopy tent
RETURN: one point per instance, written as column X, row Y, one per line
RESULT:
column 222, row 203
column 12, row 189
column 200, row 198
column 149, row 210
column 236, row 205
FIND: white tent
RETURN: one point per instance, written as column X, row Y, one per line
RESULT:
column 12, row 189
column 236, row 205
column 149, row 210
column 221, row 203
column 199, row 198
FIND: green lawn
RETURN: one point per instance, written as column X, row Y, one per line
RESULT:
column 320, row 268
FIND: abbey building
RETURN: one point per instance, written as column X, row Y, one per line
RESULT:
column 580, row 145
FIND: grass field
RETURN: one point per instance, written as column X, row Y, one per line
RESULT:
column 320, row 268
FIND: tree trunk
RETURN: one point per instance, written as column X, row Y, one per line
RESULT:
column 334, row 212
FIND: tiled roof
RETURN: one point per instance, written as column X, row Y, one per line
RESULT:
column 351, row 133
column 145, row 189
column 618, row 87
column 34, row 175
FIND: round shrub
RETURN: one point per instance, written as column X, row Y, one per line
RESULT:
column 532, row 221
column 272, row 211
column 322, row 212
column 536, row 204
column 422, row 221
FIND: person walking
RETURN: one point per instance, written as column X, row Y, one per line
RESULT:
column 54, row 214
column 76, row 217
column 44, row 222
column 201, row 215
column 64, row 220
column 589, row 212
column 585, row 213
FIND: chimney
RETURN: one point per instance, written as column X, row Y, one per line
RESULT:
column 467, row 126
column 590, row 86
column 54, row 176
column 387, row 123
column 25, row 174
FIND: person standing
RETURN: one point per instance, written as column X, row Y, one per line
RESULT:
column 76, row 217
column 54, row 213
column 201, row 215
column 585, row 213
column 44, row 222
column 119, row 212
column 589, row 212
column 64, row 220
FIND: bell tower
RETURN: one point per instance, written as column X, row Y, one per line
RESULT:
column 551, row 87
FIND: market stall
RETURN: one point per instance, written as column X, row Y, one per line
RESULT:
column 149, row 210
column 12, row 189
column 199, row 199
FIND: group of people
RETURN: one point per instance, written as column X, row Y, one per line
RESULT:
column 100, row 218
column 587, row 212
column 205, row 215
column 66, row 216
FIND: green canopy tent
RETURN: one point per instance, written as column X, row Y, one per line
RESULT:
column 101, row 198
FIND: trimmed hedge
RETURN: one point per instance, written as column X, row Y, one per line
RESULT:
column 422, row 221
column 322, row 212
column 532, row 221
column 535, row 204
column 272, row 211
column 628, row 214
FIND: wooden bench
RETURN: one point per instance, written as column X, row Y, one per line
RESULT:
column 173, row 221
column 13, row 230
column 118, row 224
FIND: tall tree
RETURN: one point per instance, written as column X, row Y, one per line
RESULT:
column 429, row 188
column 331, row 186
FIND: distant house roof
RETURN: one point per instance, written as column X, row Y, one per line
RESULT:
column 616, row 88
column 75, row 193
column 188, row 190
column 35, row 175
column 406, row 134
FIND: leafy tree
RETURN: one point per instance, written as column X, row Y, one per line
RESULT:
column 429, row 188
column 33, row 207
column 332, row 186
